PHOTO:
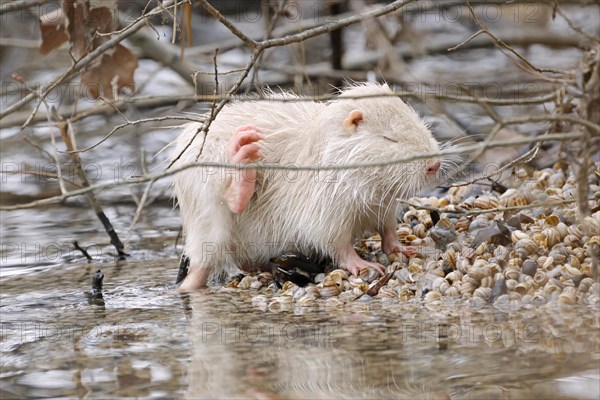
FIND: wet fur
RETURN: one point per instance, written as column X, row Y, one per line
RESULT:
column 307, row 211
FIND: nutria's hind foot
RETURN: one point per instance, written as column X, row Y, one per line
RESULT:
column 243, row 150
column 195, row 279
column 350, row 261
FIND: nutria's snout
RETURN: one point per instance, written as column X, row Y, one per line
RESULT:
column 432, row 168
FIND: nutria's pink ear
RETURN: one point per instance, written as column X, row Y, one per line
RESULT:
column 354, row 118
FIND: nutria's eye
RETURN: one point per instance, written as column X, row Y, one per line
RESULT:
column 390, row 139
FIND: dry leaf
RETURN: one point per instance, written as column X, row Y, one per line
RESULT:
column 76, row 25
column 52, row 26
column 79, row 23
column 113, row 70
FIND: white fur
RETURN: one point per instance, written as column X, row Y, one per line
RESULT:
column 307, row 211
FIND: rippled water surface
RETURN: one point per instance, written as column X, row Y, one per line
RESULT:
column 147, row 341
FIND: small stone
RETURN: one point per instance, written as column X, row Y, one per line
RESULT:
column 529, row 267
column 498, row 290
column 383, row 259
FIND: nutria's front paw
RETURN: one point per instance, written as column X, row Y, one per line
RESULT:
column 355, row 267
column 390, row 244
column 398, row 248
column 350, row 261
column 244, row 150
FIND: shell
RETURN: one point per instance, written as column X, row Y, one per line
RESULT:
column 483, row 292
column 485, row 202
column 591, row 223
column 525, row 247
column 386, row 292
column 307, row 301
column 511, row 284
column 575, row 231
column 256, row 284
column 329, row 290
column 437, row 282
column 369, row 274
column 406, row 294
column 506, row 198
column 467, row 252
column 522, row 288
column 420, row 231
column 449, row 258
column 454, row 276
column 549, row 258
column 572, row 241
column 501, row 252
column 551, row 221
column 518, row 235
column 487, row 281
column 511, row 273
column 585, row 284
column 245, row 283
column 562, row 229
column 467, row 287
column 462, row 224
column 433, row 296
column 360, row 289
column 482, row 249
column 522, row 174
column 568, row 296
column 551, row 237
column 410, row 215
column 551, row 287
column 475, row 273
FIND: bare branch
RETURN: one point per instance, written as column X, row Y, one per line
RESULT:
column 259, row 166
column 234, row 29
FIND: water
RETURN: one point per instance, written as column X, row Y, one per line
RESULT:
column 148, row 341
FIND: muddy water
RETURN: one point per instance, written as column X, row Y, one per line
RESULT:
column 147, row 341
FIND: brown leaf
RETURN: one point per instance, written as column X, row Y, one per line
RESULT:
column 77, row 23
column 101, row 19
column 77, row 28
column 52, row 27
column 113, row 70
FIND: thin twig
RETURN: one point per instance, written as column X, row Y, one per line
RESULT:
column 212, row 106
column 68, row 136
column 164, row 101
column 593, row 39
column 501, row 44
column 473, row 36
column 82, row 250
column 553, row 203
column 20, row 5
column 228, row 24
column 134, row 123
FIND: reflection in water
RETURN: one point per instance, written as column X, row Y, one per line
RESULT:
column 402, row 351
column 147, row 341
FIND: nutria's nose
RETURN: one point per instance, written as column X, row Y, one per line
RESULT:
column 433, row 168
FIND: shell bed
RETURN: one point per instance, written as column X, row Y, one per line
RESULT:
column 525, row 248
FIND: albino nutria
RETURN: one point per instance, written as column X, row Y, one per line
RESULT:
column 235, row 219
